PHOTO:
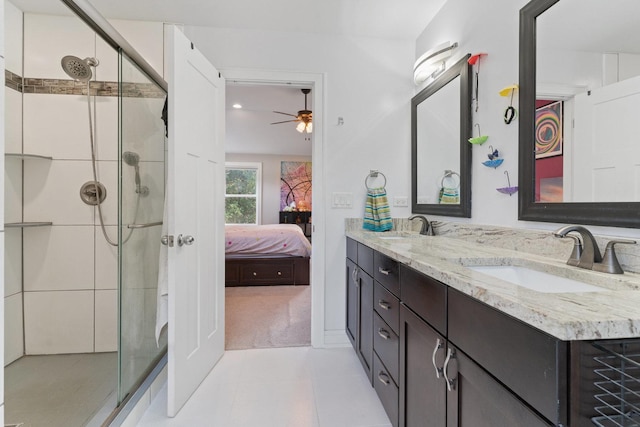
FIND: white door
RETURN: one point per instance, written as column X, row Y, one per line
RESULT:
column 606, row 151
column 195, row 218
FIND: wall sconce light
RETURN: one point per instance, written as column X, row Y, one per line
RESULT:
column 432, row 63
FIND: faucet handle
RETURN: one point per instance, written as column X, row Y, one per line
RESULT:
column 610, row 262
column 576, row 253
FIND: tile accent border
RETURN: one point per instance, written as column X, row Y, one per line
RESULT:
column 71, row 87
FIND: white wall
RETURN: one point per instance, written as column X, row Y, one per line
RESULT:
column 368, row 83
column 270, row 180
column 497, row 32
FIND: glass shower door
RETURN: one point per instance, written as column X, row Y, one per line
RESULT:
column 141, row 182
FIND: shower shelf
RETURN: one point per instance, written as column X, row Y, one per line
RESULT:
column 27, row 156
column 26, row 224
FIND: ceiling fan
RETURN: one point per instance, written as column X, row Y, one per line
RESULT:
column 304, row 117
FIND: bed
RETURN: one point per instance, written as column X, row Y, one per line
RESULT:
column 274, row 254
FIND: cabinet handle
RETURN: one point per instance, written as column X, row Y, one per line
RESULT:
column 354, row 274
column 255, row 274
column 439, row 345
column 385, row 305
column 279, row 273
column 451, row 382
column 383, row 271
column 384, row 378
column 384, row 333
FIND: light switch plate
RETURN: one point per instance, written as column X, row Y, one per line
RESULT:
column 401, row 201
column 341, row 200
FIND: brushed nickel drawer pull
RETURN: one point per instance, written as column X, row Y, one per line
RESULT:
column 451, row 382
column 383, row 271
column 384, row 334
column 255, row 274
column 383, row 304
column 439, row 345
column 279, row 273
column 384, row 378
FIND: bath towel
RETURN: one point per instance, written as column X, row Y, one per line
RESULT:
column 377, row 216
column 449, row 196
column 162, row 303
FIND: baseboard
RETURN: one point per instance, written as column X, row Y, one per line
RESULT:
column 336, row 338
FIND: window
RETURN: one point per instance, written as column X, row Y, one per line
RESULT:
column 242, row 195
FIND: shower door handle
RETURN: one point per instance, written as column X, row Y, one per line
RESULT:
column 185, row 240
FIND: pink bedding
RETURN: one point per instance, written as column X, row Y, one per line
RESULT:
column 287, row 239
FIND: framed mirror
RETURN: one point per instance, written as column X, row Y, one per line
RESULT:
column 579, row 156
column 440, row 150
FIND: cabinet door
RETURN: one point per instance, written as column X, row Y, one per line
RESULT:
column 475, row 399
column 423, row 390
column 365, row 322
column 352, row 302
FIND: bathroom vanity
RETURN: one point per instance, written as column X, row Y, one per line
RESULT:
column 447, row 344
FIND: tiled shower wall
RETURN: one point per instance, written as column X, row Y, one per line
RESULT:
column 70, row 272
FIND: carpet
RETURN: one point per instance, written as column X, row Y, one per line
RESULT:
column 267, row 316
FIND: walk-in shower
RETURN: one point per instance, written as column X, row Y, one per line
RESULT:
column 77, row 304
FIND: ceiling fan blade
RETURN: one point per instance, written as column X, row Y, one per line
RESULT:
column 286, row 121
column 280, row 112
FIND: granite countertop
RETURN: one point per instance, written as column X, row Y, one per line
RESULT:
column 613, row 312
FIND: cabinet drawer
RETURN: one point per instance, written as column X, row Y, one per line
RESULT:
column 531, row 363
column 385, row 344
column 387, row 306
column 352, row 250
column 425, row 296
column 267, row 273
column 385, row 271
column 365, row 258
column 386, row 389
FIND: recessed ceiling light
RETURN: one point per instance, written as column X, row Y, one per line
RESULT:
column 237, row 106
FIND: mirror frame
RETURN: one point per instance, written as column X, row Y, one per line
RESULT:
column 613, row 214
column 463, row 209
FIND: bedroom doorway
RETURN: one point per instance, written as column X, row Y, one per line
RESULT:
column 283, row 315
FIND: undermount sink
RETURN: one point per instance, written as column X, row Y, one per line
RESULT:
column 535, row 280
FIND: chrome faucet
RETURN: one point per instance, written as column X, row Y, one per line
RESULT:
column 427, row 227
column 586, row 253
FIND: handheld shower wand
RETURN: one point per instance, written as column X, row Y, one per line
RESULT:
column 133, row 159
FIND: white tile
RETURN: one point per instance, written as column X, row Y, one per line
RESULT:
column 58, row 322
column 147, row 38
column 106, row 258
column 106, row 123
column 48, row 38
column 13, row 330
column 106, row 307
column 13, row 121
column 13, row 37
column 12, row 189
column 57, row 125
column 107, row 71
column 51, row 192
column 12, row 261
column 58, row 258
column 143, row 128
column 108, row 175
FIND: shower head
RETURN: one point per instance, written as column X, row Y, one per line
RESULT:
column 131, row 158
column 78, row 69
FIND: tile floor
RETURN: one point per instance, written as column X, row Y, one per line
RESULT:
column 60, row 390
column 279, row 387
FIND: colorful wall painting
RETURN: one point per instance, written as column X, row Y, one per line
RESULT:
column 295, row 185
column 549, row 130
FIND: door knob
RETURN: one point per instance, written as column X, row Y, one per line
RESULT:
column 185, row 240
column 167, row 240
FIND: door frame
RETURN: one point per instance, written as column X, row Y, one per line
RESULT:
column 318, row 259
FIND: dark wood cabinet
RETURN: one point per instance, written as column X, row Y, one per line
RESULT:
column 440, row 358
column 423, row 391
column 359, row 304
column 476, row 399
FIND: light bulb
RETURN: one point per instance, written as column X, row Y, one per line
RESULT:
column 309, row 127
column 300, row 127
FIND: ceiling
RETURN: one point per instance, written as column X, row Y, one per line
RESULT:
column 399, row 19
column 249, row 129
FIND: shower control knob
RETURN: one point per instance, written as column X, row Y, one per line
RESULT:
column 185, row 240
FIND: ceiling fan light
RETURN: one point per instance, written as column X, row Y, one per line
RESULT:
column 301, row 127
column 309, row 127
